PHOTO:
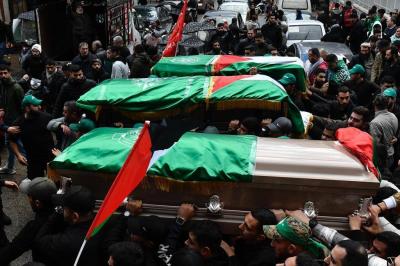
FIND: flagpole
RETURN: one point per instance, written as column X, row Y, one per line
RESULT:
column 80, row 253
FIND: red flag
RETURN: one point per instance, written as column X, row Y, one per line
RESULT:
column 360, row 144
column 128, row 178
column 176, row 35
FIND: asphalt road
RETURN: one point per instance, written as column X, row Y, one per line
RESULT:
column 16, row 205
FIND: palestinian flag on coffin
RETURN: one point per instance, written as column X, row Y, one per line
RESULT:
column 157, row 98
column 229, row 65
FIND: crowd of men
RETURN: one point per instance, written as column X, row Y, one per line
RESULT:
column 40, row 118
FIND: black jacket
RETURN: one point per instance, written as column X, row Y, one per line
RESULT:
column 58, row 243
column 11, row 95
column 24, row 240
column 243, row 44
column 98, row 76
column 35, row 137
column 272, row 34
column 141, row 65
column 71, row 92
column 84, row 62
column 53, row 85
column 337, row 112
column 365, row 92
column 358, row 35
column 257, row 254
column 34, row 65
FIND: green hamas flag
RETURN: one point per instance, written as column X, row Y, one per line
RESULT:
column 208, row 157
column 100, row 150
column 229, row 65
column 143, row 95
column 157, row 98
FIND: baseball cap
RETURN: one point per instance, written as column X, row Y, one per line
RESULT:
column 390, row 92
column 288, row 79
column 78, row 198
column 30, row 100
column 85, row 125
column 41, row 188
column 357, row 69
column 281, row 125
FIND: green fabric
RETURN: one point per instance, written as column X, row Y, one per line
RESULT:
column 309, row 244
column 228, row 65
column 208, row 157
column 143, row 95
column 102, row 149
column 179, row 94
column 288, row 79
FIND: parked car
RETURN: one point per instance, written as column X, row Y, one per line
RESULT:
column 291, row 15
column 241, row 7
column 304, row 31
column 153, row 12
column 219, row 16
column 301, row 49
column 293, row 5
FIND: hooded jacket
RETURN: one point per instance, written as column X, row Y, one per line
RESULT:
column 11, row 94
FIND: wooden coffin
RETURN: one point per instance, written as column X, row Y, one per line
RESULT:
column 287, row 174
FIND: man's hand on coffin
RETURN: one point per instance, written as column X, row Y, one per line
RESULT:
column 186, row 211
column 355, row 222
column 374, row 226
column 134, row 207
column 230, row 251
column 299, row 215
column 279, row 214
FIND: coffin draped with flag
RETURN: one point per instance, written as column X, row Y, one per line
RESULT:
column 229, row 65
column 156, row 98
column 246, row 172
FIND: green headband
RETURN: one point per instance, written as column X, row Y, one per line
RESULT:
column 287, row 232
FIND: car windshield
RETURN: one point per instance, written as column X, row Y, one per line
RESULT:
column 304, row 32
column 292, row 16
column 147, row 12
column 294, row 4
column 237, row 8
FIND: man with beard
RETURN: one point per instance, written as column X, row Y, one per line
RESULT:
column 35, row 62
column 391, row 63
column 118, row 41
column 221, row 36
column 97, row 73
column 261, row 47
column 364, row 58
column 249, row 40
column 291, row 237
column 384, row 126
column 216, row 49
column 35, row 137
column 364, row 89
column 272, row 32
column 60, row 126
column 359, row 118
column 314, row 63
column 39, row 191
column 342, row 107
column 11, row 95
column 71, row 90
column 377, row 67
column 52, row 80
column 357, row 35
column 288, row 81
column 84, row 58
column 251, row 247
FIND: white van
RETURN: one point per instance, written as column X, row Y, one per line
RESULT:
column 292, row 5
